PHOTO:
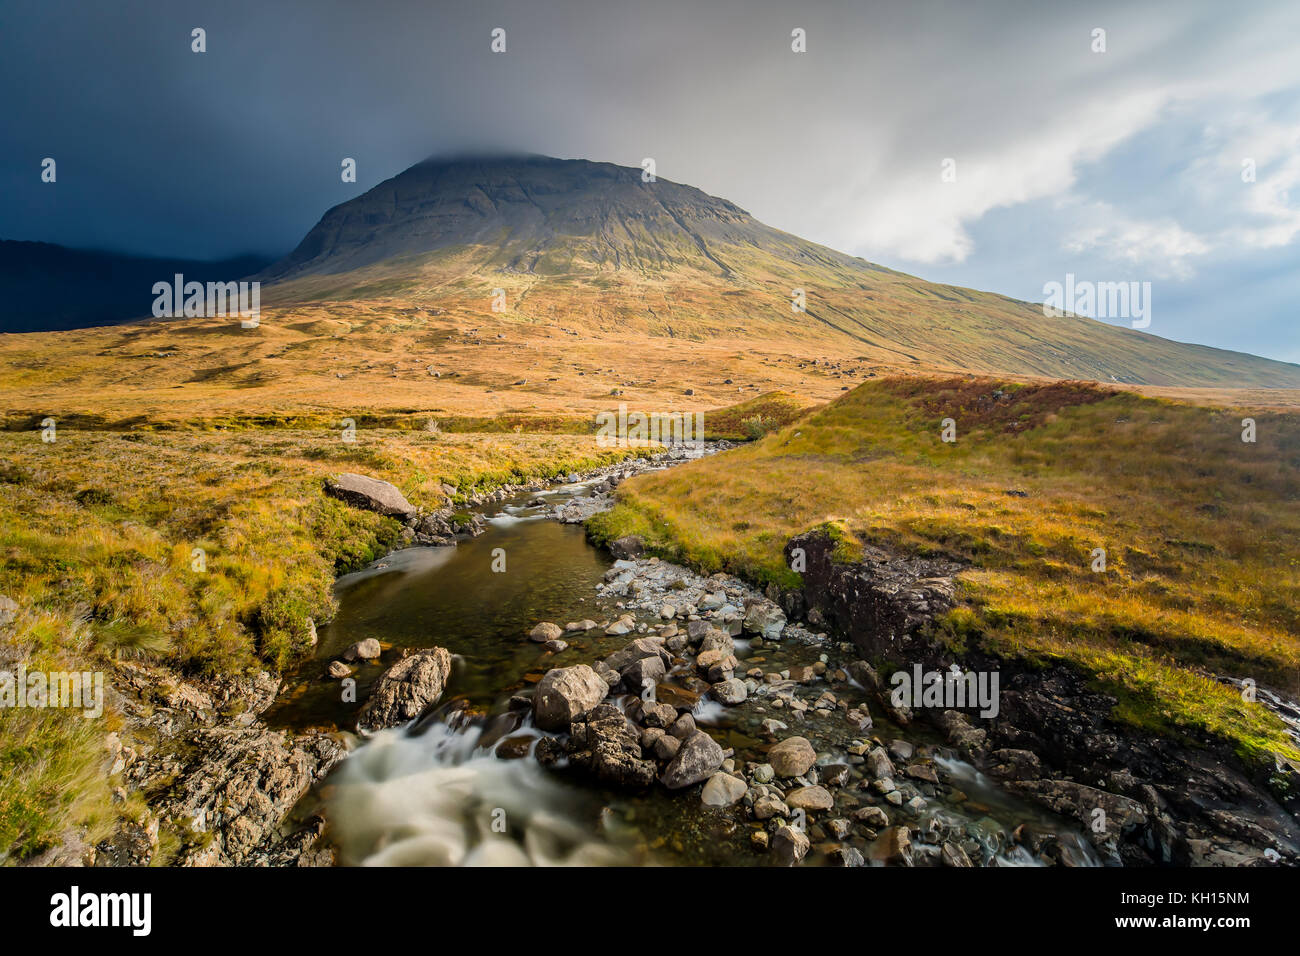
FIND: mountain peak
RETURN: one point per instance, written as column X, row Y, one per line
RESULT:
column 532, row 214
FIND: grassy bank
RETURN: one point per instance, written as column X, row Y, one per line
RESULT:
column 1201, row 530
column 100, row 532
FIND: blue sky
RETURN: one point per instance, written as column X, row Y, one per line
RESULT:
column 1116, row 165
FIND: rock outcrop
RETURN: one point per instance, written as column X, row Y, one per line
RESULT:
column 406, row 690
column 361, row 491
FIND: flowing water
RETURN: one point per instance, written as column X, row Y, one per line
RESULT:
column 439, row 793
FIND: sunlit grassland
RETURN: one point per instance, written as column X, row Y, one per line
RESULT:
column 1201, row 530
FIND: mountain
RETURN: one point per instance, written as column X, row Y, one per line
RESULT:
column 47, row 287
column 599, row 246
column 548, row 217
column 527, row 289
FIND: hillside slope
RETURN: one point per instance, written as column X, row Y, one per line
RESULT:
column 594, row 245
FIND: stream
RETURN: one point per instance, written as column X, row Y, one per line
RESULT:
column 461, row 787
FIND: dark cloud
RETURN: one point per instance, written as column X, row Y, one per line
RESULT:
column 168, row 152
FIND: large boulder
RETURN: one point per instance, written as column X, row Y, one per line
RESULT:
column 765, row 618
column 607, row 745
column 697, row 759
column 406, row 690
column 565, row 694
column 792, row 757
column 370, row 494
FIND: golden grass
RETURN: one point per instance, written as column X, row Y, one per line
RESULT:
column 98, row 532
column 1201, row 531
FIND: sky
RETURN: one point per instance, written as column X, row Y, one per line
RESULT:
column 994, row 145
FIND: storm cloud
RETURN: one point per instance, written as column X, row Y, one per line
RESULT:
column 1123, row 165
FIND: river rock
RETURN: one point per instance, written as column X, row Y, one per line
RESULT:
column 367, row 650
column 545, row 631
column 583, row 625
column 666, row 746
column 792, row 757
column 809, row 798
column 961, row 733
column 846, row 856
column 901, row 750
column 770, row 805
column 406, row 690
column 338, row 670
column 647, row 672
column 624, row 625
column 953, row 855
column 789, row 845
column 607, row 673
column 893, row 846
column 639, row 649
column 606, row 744
column 730, row 692
column 697, row 760
column 722, row 790
column 717, row 640
column 657, row 714
column 566, row 693
column 923, row 772
column 879, row 764
column 835, row 775
column 711, row 601
column 371, row 494
column 683, row 727
column 681, row 698
column 765, row 618
column 873, row 817
column 1079, row 801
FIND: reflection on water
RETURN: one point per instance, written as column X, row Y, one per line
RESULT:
column 451, row 597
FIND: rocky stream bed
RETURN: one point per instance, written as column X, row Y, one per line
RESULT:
column 632, row 711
